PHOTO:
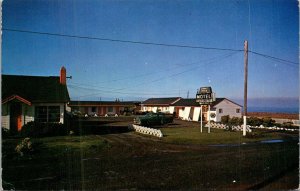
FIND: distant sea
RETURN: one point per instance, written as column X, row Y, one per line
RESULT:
column 274, row 109
column 273, row 105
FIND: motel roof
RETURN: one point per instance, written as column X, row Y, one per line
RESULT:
column 35, row 89
column 186, row 102
column 161, row 101
column 219, row 100
column 192, row 102
column 103, row 103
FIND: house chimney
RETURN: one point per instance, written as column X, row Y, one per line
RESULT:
column 63, row 75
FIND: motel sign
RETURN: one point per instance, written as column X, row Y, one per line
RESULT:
column 205, row 96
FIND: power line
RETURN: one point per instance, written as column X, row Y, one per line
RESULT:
column 145, row 43
column 283, row 61
column 274, row 58
column 107, row 91
column 156, row 80
column 121, row 41
column 176, row 74
column 151, row 73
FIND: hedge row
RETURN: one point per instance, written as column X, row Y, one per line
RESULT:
column 253, row 121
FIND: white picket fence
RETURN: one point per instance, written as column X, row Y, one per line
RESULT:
column 274, row 128
column 147, row 130
column 222, row 126
column 248, row 127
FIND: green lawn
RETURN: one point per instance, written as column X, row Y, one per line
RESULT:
column 216, row 136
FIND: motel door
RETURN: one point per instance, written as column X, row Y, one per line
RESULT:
column 15, row 117
column 177, row 112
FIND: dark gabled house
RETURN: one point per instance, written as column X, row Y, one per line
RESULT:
column 158, row 104
column 189, row 109
column 102, row 108
column 33, row 98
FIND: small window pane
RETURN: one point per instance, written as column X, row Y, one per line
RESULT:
column 53, row 114
column 94, row 109
column 41, row 113
column 110, row 109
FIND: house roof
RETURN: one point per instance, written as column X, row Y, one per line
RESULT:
column 34, row 89
column 186, row 102
column 103, row 103
column 161, row 101
column 193, row 103
column 219, row 100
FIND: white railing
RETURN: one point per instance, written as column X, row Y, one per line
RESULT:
column 222, row 126
column 147, row 130
column 248, row 129
column 274, row 128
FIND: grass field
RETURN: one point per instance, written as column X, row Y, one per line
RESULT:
column 183, row 159
column 217, row 136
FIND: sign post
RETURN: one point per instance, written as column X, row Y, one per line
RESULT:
column 205, row 96
column 208, row 118
column 201, row 118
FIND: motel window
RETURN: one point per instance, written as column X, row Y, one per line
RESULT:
column 238, row 110
column 220, row 110
column 47, row 113
column 94, row 109
column 110, row 109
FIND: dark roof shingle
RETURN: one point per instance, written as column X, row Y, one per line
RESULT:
column 103, row 103
column 35, row 88
column 193, row 103
column 186, row 102
column 161, row 101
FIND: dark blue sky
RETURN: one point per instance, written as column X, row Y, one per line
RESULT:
column 132, row 71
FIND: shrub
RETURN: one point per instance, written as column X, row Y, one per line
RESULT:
column 37, row 129
column 25, row 147
column 268, row 122
column 235, row 121
column 287, row 124
column 254, row 121
column 225, row 119
column 278, row 124
column 5, row 132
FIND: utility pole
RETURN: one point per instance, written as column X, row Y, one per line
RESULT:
column 245, row 84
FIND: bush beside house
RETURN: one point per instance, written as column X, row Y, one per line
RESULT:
column 37, row 129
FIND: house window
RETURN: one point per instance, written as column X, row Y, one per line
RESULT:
column 41, row 114
column 94, row 109
column 53, row 114
column 110, row 109
column 220, row 110
column 238, row 110
column 47, row 113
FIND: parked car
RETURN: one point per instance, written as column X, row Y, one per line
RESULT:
column 151, row 119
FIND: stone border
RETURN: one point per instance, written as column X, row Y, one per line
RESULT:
column 147, row 130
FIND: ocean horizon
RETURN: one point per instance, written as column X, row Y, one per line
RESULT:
column 274, row 109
